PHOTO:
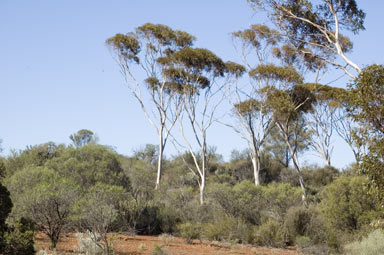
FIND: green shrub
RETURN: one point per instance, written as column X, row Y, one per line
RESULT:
column 190, row 231
column 296, row 222
column 279, row 198
column 244, row 200
column 347, row 204
column 373, row 244
column 270, row 234
column 303, row 241
column 228, row 228
column 302, row 221
column 19, row 239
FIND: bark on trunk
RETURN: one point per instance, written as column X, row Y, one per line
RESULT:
column 160, row 161
column 256, row 168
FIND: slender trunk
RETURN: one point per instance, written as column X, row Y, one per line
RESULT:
column 256, row 167
column 202, row 188
column 300, row 174
column 295, row 161
column 160, row 160
column 328, row 160
column 203, row 170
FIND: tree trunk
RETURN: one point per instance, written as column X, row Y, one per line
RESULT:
column 160, row 161
column 203, row 172
column 301, row 179
column 256, row 168
column 202, row 188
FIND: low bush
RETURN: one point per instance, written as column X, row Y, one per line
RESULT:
column 279, row 198
column 270, row 234
column 373, row 244
column 228, row 228
column 190, row 231
column 302, row 221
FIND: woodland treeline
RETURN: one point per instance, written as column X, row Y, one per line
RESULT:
column 263, row 195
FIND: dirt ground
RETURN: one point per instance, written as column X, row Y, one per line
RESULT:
column 135, row 245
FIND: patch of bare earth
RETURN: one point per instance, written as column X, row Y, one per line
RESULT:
column 137, row 245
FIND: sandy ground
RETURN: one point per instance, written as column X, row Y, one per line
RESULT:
column 135, row 245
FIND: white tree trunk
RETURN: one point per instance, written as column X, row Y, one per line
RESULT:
column 256, row 168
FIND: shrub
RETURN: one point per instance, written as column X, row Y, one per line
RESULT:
column 303, row 241
column 228, row 228
column 270, row 234
column 19, row 239
column 279, row 198
column 296, row 222
column 373, row 244
column 243, row 200
column 301, row 221
column 97, row 211
column 347, row 203
column 190, row 231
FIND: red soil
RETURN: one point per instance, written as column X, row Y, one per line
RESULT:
column 135, row 245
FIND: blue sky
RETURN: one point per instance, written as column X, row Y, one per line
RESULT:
column 57, row 76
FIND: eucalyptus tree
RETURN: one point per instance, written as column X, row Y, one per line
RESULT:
column 198, row 76
column 137, row 54
column 346, row 126
column 254, row 116
column 289, row 105
column 276, row 145
column 313, row 28
column 321, row 118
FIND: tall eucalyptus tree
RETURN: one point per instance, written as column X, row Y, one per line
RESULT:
column 138, row 54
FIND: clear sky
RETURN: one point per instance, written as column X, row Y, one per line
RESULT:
column 57, row 76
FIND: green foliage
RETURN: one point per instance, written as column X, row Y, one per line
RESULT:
column 305, row 222
column 83, row 137
column 190, row 231
column 369, row 113
column 270, row 233
column 303, row 241
column 296, row 222
column 2, row 168
column 98, row 210
column 36, row 155
column 127, row 46
column 244, row 200
column 41, row 195
column 346, row 202
column 287, row 75
column 369, row 110
column 317, row 178
column 5, row 205
column 228, row 228
column 190, row 69
column 256, row 35
column 249, row 107
column 234, row 69
column 90, row 164
column 280, row 198
column 373, row 244
column 164, row 35
column 19, row 239
column 308, row 19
